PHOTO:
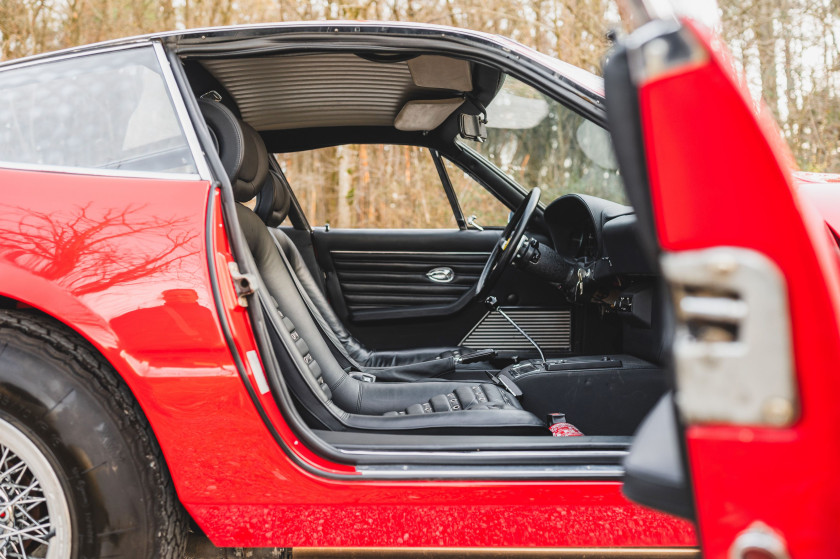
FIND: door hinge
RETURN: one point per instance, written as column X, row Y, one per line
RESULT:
column 243, row 284
column 733, row 353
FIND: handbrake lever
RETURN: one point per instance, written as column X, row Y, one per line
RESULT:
column 475, row 356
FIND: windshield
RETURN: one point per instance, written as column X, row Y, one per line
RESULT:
column 538, row 142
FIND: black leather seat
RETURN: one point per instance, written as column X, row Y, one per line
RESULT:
column 427, row 363
column 273, row 207
column 408, row 364
column 325, row 391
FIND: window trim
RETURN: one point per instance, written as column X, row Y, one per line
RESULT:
column 95, row 171
column 47, row 58
column 483, row 184
column 181, row 113
column 449, row 189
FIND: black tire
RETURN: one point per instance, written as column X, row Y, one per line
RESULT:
column 66, row 399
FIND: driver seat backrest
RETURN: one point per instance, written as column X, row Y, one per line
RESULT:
column 273, row 207
column 240, row 148
column 366, row 359
column 428, row 406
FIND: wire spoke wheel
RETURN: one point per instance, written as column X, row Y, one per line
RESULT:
column 34, row 514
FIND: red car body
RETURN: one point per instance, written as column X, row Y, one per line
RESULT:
column 241, row 485
column 121, row 260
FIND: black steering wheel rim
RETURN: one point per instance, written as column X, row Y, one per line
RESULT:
column 505, row 249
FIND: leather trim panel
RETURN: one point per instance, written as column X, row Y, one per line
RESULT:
column 394, row 279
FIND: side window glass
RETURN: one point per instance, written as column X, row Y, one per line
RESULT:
column 108, row 111
column 376, row 186
column 475, row 199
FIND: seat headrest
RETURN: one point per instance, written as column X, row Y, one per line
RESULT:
column 241, row 149
column 274, row 200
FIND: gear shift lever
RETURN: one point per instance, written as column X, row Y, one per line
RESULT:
column 493, row 305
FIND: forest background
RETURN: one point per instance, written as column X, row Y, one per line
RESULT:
column 789, row 51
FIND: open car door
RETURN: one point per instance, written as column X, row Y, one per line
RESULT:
column 748, row 443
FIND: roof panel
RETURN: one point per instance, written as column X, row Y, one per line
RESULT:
column 317, row 90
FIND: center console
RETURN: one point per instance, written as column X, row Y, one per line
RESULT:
column 601, row 395
column 534, row 366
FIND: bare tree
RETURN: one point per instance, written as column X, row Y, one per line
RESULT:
column 789, row 51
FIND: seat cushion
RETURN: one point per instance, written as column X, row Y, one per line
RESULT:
column 474, row 397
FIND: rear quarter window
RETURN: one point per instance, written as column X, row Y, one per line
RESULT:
column 105, row 111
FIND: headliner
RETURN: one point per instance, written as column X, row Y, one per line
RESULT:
column 284, row 92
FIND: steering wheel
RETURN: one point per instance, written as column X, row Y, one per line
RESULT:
column 508, row 245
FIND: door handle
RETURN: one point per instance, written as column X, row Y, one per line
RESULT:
column 732, row 346
column 442, row 274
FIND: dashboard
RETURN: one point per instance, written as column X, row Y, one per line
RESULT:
column 597, row 233
column 572, row 228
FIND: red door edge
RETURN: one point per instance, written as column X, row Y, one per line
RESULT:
column 756, row 289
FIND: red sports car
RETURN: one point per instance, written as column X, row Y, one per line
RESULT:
column 646, row 306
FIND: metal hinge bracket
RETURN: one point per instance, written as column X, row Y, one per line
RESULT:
column 243, row 284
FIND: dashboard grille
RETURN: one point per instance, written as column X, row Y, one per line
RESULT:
column 551, row 329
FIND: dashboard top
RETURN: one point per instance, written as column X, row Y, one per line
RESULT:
column 597, row 232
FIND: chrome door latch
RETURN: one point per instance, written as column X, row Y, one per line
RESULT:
column 243, row 284
column 472, row 221
column 733, row 351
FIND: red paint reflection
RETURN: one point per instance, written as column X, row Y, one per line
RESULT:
column 177, row 328
column 89, row 249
